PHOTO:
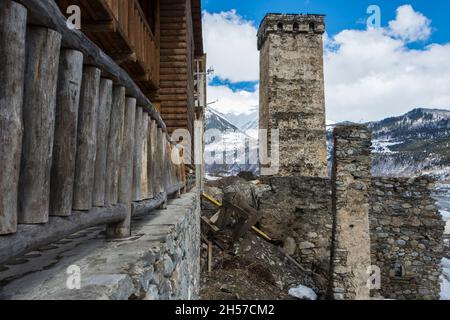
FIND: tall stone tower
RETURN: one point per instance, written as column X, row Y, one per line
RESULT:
column 292, row 90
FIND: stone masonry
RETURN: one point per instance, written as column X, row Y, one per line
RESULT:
column 297, row 210
column 339, row 229
column 351, row 186
column 292, row 91
column 407, row 238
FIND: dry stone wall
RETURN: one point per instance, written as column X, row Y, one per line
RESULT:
column 351, row 240
column 406, row 238
column 297, row 210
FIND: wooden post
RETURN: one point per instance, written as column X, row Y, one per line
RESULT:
column 86, row 140
column 41, row 75
column 150, row 156
column 13, row 20
column 159, row 161
column 103, row 122
column 66, row 123
column 123, row 229
column 137, row 161
column 153, row 159
column 144, row 152
column 114, row 146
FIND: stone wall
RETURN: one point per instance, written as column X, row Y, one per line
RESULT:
column 406, row 238
column 161, row 260
column 351, row 240
column 297, row 211
column 292, row 91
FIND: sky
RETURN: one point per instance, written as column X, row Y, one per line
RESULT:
column 370, row 73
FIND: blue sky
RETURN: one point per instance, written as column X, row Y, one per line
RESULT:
column 341, row 14
column 409, row 54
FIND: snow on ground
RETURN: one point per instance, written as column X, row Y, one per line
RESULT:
column 302, row 292
column 445, row 285
column 382, row 146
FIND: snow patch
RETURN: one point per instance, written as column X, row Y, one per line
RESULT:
column 445, row 278
column 302, row 292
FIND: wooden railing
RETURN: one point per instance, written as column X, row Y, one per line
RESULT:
column 78, row 150
column 132, row 22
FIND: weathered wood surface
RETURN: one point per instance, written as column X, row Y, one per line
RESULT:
column 47, row 13
column 103, row 123
column 137, row 159
column 66, row 123
column 31, row 237
column 158, row 161
column 13, row 20
column 151, row 165
column 41, row 75
column 147, row 206
column 86, row 139
column 123, row 228
column 144, row 152
column 114, row 146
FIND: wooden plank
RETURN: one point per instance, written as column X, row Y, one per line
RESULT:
column 66, row 124
column 103, row 123
column 41, row 78
column 137, row 161
column 123, row 229
column 144, row 173
column 13, row 20
column 86, row 139
column 114, row 146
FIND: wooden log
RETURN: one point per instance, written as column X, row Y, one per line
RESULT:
column 86, row 139
column 159, row 161
column 145, row 207
column 114, row 146
column 66, row 123
column 123, row 229
column 103, row 123
column 144, row 174
column 13, row 20
column 41, row 77
column 137, row 161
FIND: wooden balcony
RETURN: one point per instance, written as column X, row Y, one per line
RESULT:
column 121, row 28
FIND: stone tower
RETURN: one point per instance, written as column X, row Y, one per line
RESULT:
column 292, row 90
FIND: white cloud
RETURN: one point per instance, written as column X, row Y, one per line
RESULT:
column 369, row 74
column 230, row 42
column 229, row 101
column 372, row 74
column 410, row 25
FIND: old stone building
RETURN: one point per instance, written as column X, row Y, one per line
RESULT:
column 342, row 228
column 292, row 90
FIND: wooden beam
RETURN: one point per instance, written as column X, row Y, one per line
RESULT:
column 47, row 13
column 13, row 20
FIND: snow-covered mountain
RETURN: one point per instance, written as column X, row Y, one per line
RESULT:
column 412, row 144
column 415, row 143
column 228, row 148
